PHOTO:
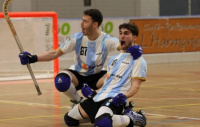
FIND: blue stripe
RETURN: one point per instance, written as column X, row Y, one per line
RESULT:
column 79, row 37
column 107, row 82
column 113, row 72
column 63, row 44
column 111, row 60
column 143, row 68
column 104, row 50
column 113, row 38
column 90, row 60
column 125, row 76
column 104, row 88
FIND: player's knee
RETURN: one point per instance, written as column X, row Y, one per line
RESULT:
column 103, row 120
column 69, row 121
column 62, row 82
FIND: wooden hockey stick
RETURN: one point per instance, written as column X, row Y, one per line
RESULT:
column 7, row 18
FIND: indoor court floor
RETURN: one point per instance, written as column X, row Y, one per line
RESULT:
column 170, row 97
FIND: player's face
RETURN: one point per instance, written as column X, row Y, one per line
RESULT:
column 126, row 38
column 86, row 25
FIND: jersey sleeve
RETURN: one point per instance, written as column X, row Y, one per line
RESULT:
column 69, row 45
column 112, row 44
column 139, row 69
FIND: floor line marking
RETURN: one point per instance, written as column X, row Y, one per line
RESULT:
column 172, row 121
column 43, row 92
column 172, row 88
column 171, row 83
column 30, row 117
column 169, row 106
column 175, row 117
column 177, row 98
column 33, row 104
column 57, row 106
column 179, row 118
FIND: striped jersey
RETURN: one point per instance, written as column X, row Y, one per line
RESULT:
column 90, row 56
column 121, row 69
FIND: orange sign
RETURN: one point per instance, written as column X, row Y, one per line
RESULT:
column 168, row 35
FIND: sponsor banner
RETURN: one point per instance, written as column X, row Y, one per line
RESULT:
column 68, row 27
column 164, row 35
column 168, row 35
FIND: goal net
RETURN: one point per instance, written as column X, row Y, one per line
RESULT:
column 37, row 32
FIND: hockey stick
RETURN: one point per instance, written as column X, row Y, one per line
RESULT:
column 7, row 18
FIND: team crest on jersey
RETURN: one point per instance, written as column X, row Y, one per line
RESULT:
column 84, row 66
column 114, row 62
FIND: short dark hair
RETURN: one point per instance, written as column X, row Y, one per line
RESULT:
column 132, row 27
column 95, row 14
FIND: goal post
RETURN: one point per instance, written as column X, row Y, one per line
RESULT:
column 37, row 24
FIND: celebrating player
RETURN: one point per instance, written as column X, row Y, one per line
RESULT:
column 91, row 48
column 124, row 76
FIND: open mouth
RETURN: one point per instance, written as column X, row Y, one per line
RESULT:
column 122, row 42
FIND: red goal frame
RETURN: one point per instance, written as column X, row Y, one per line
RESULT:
column 54, row 17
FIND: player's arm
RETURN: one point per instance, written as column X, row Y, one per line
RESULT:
column 138, row 76
column 50, row 55
column 135, row 85
column 27, row 58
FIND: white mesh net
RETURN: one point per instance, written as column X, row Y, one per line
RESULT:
column 35, row 35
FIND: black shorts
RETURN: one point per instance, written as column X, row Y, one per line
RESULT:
column 91, row 80
column 91, row 107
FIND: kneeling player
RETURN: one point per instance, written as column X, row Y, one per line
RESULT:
column 125, row 73
column 106, row 113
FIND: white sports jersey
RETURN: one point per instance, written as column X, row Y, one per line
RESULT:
column 90, row 56
column 121, row 69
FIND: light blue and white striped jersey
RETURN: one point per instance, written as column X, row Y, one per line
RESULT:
column 121, row 69
column 90, row 56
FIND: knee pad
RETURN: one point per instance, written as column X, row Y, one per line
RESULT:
column 62, row 81
column 69, row 121
column 103, row 121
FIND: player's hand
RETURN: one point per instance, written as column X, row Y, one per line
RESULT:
column 135, row 51
column 119, row 99
column 27, row 58
column 87, row 91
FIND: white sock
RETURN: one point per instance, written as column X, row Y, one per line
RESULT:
column 72, row 93
column 102, row 110
column 75, row 113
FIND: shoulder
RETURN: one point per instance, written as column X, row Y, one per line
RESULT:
column 110, row 41
column 77, row 35
column 108, row 37
column 141, row 62
column 114, row 56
